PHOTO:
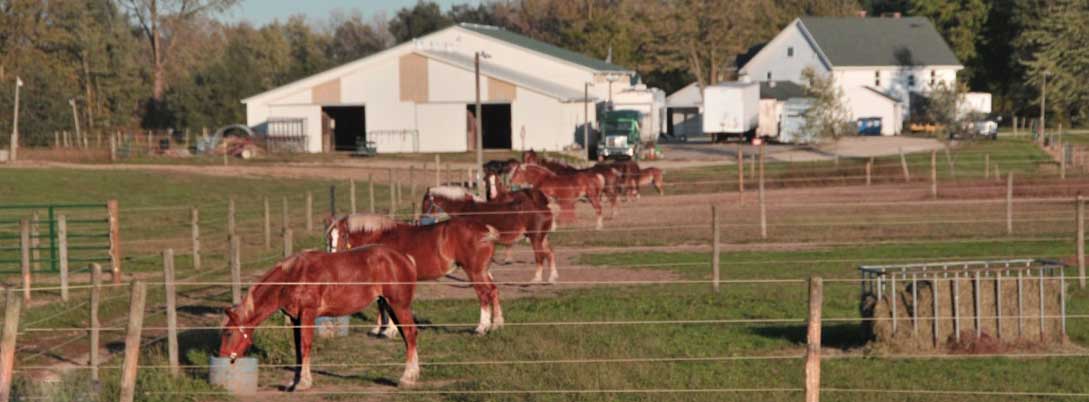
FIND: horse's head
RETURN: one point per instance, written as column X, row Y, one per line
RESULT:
column 336, row 234
column 236, row 338
column 530, row 156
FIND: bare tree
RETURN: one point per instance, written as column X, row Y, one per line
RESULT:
column 161, row 22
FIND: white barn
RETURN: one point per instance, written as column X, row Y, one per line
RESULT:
column 419, row 96
column 878, row 62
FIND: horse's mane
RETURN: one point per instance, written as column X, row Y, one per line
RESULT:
column 276, row 274
column 453, row 193
column 370, row 223
column 540, row 168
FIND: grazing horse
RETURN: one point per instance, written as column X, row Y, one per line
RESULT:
column 613, row 183
column 629, row 177
column 525, row 213
column 566, row 189
column 437, row 249
column 368, row 273
column 649, row 175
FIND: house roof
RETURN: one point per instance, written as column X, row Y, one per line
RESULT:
column 689, row 97
column 781, row 90
column 854, row 41
column 546, row 87
column 544, row 48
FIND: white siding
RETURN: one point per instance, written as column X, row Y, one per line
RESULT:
column 547, row 126
column 774, row 59
column 442, row 127
column 312, row 114
column 447, row 83
column 863, row 102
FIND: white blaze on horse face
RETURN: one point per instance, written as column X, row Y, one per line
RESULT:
column 334, row 237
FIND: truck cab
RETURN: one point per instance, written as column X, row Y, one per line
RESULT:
column 620, row 134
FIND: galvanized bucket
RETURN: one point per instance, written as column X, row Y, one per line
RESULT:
column 332, row 327
column 240, row 378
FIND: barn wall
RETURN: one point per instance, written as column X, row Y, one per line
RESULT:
column 452, row 84
column 543, row 118
column 312, row 114
column 442, row 127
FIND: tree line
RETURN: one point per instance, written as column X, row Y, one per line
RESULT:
column 178, row 63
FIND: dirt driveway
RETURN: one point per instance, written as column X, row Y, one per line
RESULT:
column 702, row 153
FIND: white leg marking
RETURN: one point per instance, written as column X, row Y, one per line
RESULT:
column 485, row 320
column 412, row 371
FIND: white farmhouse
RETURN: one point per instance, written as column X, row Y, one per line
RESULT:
column 419, row 96
column 878, row 62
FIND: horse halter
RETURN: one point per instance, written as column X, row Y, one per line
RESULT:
column 428, row 217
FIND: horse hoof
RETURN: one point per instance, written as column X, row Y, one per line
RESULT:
column 496, row 324
column 301, row 386
column 480, row 331
column 553, row 280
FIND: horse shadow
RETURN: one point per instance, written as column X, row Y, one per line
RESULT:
column 843, row 336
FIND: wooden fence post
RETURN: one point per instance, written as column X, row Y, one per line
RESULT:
column 1009, row 203
column 904, row 166
column 132, row 341
column 7, row 344
column 171, row 311
column 113, row 149
column 934, row 174
column 24, row 254
column 309, row 211
column 987, row 166
column 236, row 269
column 392, row 196
column 1081, row 240
column 288, row 243
column 370, row 191
column 763, row 198
column 438, row 176
column 715, row 246
column 752, row 167
column 740, row 170
column 96, row 298
column 62, row 254
column 285, row 221
column 869, row 171
column 114, row 219
column 268, row 226
column 813, row 342
column 412, row 180
column 332, row 200
column 194, row 222
column 230, row 216
column 351, row 196
column 1062, row 160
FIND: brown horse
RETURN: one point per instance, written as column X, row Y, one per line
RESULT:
column 369, row 274
column 629, row 177
column 525, row 213
column 437, row 249
column 613, row 180
column 566, row 189
column 649, row 175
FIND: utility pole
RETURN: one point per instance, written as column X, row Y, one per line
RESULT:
column 14, row 147
column 479, row 129
column 586, row 125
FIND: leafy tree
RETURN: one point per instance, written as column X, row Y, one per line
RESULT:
column 827, row 119
column 1054, row 43
column 425, row 17
column 960, row 22
column 353, row 39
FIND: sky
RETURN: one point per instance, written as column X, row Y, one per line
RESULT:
column 260, row 12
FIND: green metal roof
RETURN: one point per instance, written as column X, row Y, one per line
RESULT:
column 855, row 41
column 541, row 47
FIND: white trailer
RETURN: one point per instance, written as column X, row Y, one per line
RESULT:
column 650, row 103
column 731, row 109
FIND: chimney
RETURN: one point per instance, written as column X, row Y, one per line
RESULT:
column 861, row 13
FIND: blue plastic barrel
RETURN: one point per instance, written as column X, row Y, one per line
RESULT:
column 239, row 378
column 332, row 327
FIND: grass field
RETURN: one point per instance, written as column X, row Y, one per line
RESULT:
column 530, row 354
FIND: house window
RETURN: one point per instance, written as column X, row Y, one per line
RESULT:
column 911, row 81
column 790, row 51
column 933, row 77
column 769, row 75
column 877, row 78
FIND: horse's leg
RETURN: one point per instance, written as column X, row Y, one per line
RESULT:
column 594, row 195
column 306, row 340
column 658, row 183
column 539, row 254
column 484, row 290
column 380, row 322
column 510, row 254
column 497, row 310
column 400, row 313
column 296, row 332
column 553, row 275
column 389, row 328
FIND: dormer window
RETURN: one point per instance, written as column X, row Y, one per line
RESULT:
column 877, row 78
column 911, row 81
column 933, row 77
column 790, row 51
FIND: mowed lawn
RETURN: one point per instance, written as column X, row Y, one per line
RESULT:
column 548, row 356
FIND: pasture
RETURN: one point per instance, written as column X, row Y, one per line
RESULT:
column 634, row 316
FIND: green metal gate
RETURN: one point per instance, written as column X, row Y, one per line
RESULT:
column 88, row 235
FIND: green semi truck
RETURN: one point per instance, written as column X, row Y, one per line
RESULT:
column 620, row 134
